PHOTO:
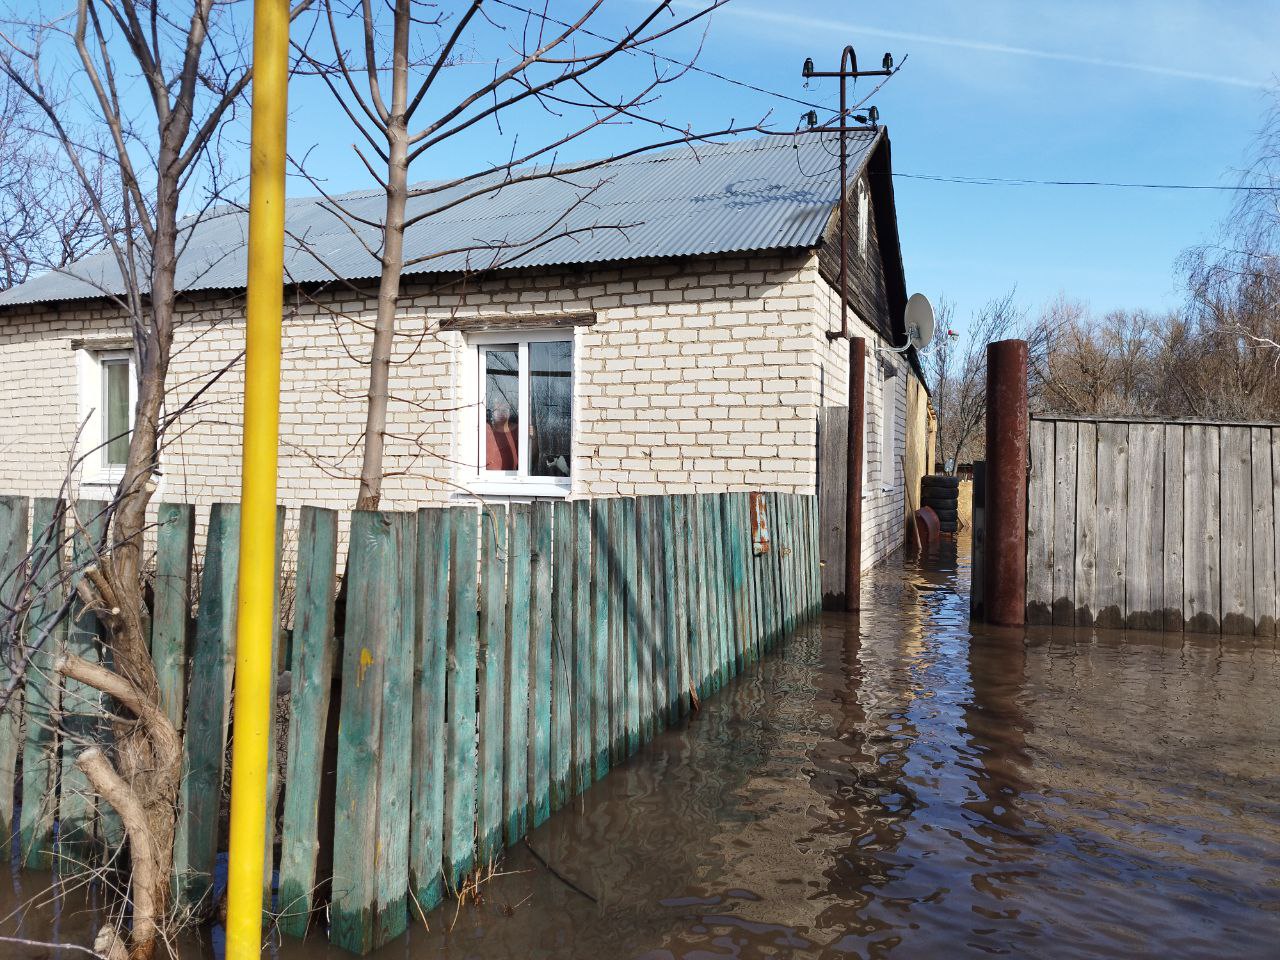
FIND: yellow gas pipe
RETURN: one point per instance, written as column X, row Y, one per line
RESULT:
column 254, row 676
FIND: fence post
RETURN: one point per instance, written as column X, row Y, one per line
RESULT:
column 1005, row 540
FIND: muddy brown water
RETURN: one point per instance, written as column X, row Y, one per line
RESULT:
column 897, row 784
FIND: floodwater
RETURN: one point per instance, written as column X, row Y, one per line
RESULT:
column 899, row 785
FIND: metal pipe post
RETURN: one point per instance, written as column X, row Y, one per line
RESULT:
column 1005, row 539
column 255, row 612
column 853, row 475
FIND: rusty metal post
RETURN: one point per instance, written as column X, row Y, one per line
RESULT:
column 1005, row 538
column 853, row 475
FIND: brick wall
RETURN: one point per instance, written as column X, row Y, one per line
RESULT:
column 883, row 501
column 696, row 374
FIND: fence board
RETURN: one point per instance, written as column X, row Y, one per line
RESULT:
column 436, row 528
column 1202, row 603
column 1173, row 471
column 14, row 538
column 787, row 561
column 1275, row 505
column 715, row 583
column 661, row 603
column 631, row 675
column 1237, row 531
column 752, row 637
column 600, row 563
column 1144, row 534
column 721, row 533
column 695, row 572
column 1113, row 482
column 672, row 612
column 208, row 707
column 1063, row 548
column 460, row 694
column 540, row 668
column 82, row 721
column 679, row 542
column 1264, row 521
column 371, row 815
column 562, row 653
column 583, row 650
column 1040, row 523
column 171, row 614
column 314, row 651
column 617, row 634
column 273, row 766
column 46, row 633
column 491, row 678
column 516, row 751
column 398, row 624
column 782, row 546
column 1086, row 523
column 643, row 594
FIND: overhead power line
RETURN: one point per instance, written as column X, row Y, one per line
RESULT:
column 671, row 60
column 1027, row 181
column 937, row 178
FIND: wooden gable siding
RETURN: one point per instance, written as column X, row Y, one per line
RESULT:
column 867, row 285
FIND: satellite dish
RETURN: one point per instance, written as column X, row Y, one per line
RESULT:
column 919, row 321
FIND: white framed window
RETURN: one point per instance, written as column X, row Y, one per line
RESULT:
column 108, row 393
column 517, row 434
column 864, row 217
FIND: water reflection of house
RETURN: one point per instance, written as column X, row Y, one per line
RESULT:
column 667, row 334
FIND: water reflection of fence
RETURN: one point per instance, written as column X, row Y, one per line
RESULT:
column 493, row 662
column 1154, row 525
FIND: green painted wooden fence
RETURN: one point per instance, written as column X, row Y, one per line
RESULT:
column 493, row 663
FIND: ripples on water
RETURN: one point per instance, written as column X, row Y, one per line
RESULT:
column 896, row 785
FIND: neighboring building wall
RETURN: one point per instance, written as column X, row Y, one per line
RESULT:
column 883, row 502
column 697, row 375
column 921, row 436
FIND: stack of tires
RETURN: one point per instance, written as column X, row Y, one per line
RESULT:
column 941, row 494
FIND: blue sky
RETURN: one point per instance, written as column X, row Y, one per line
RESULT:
column 1169, row 91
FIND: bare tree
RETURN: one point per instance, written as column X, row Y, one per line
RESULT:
column 1233, row 287
column 956, row 370
column 46, row 221
column 391, row 89
column 158, row 149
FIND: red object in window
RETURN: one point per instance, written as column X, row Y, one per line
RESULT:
column 501, row 446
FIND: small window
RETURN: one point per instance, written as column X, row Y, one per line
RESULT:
column 523, row 399
column 117, row 410
column 107, row 398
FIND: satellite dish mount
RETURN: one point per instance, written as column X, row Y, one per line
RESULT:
column 919, row 321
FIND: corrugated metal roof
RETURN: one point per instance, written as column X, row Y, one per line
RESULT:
column 761, row 193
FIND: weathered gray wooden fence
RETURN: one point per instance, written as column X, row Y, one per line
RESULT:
column 493, row 663
column 1154, row 525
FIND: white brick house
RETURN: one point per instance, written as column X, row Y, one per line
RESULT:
column 691, row 357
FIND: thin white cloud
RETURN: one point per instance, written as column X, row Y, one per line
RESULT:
column 829, row 26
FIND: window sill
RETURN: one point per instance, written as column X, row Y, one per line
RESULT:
column 518, row 489
column 101, row 482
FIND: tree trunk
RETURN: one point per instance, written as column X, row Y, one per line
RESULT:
column 384, row 329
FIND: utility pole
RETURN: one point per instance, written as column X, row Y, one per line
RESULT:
column 857, row 346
